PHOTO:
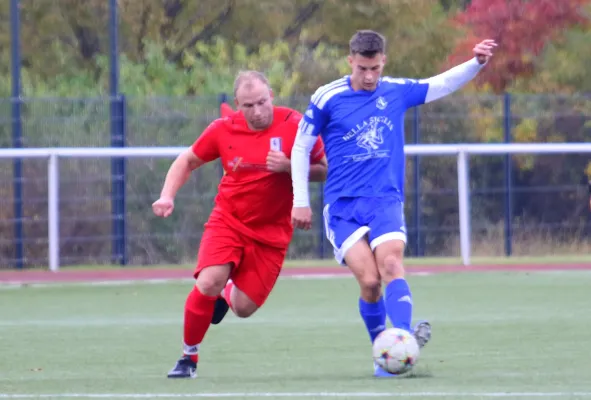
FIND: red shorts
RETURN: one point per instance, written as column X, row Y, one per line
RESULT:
column 256, row 266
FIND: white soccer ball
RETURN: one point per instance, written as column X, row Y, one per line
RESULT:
column 396, row 351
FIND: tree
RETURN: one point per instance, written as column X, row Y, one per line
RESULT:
column 521, row 28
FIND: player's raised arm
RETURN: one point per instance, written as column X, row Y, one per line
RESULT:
column 453, row 79
column 202, row 151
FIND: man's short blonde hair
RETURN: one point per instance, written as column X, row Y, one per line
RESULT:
column 246, row 77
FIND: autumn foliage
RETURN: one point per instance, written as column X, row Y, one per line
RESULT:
column 521, row 28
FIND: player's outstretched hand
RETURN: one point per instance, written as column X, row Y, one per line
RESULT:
column 163, row 207
column 483, row 50
column 301, row 217
column 277, row 161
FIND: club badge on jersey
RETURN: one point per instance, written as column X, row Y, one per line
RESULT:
column 276, row 143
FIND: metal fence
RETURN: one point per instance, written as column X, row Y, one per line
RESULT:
column 514, row 198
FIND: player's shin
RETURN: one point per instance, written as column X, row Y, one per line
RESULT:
column 398, row 300
column 374, row 317
column 198, row 312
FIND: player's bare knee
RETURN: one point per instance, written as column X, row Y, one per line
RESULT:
column 211, row 281
column 392, row 268
column 244, row 310
column 242, row 305
column 209, row 286
column 371, row 288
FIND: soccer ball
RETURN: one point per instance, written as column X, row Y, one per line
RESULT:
column 396, row 351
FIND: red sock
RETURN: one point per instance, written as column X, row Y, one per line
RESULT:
column 228, row 293
column 198, row 313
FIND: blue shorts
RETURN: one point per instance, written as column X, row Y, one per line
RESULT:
column 349, row 219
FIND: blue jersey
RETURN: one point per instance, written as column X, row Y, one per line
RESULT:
column 363, row 134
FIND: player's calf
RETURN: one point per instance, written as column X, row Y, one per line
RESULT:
column 242, row 305
column 199, row 309
column 398, row 297
column 235, row 299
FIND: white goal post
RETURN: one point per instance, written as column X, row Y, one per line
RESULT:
column 460, row 151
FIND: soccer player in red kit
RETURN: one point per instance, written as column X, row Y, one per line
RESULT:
column 248, row 232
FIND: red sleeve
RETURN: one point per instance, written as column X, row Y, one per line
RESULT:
column 206, row 146
column 317, row 151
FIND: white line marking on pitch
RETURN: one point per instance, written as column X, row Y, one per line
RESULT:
column 292, row 395
column 125, row 282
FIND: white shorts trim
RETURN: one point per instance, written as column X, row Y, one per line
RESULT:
column 386, row 237
column 349, row 242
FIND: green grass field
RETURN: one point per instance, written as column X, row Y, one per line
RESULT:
column 509, row 335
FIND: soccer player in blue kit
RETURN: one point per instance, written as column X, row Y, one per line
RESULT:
column 360, row 118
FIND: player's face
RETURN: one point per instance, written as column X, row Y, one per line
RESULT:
column 366, row 71
column 255, row 100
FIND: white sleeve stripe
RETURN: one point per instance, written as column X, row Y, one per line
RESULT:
column 306, row 128
column 323, row 89
column 329, row 95
column 394, row 80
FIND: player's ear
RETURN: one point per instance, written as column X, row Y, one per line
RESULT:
column 236, row 102
column 350, row 59
column 384, row 59
column 271, row 94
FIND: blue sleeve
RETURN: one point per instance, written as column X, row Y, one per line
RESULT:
column 314, row 120
column 415, row 92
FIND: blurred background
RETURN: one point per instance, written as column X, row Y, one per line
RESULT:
column 100, row 73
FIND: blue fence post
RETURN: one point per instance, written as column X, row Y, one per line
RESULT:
column 508, row 177
column 117, row 105
column 417, row 184
column 118, row 111
column 121, row 170
column 17, row 133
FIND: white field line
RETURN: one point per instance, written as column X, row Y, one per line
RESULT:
column 296, row 395
column 125, row 282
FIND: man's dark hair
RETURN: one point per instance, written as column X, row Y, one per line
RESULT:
column 367, row 43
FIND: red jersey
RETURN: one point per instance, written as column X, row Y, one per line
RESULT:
column 251, row 199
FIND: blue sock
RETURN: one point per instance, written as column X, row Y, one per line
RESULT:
column 399, row 304
column 374, row 316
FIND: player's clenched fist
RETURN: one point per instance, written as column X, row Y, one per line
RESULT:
column 301, row 217
column 277, row 161
column 163, row 207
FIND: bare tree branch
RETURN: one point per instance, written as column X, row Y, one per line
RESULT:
column 301, row 18
column 207, row 31
column 172, row 8
column 143, row 30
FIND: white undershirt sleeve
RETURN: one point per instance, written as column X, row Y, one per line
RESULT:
column 300, row 168
column 451, row 80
